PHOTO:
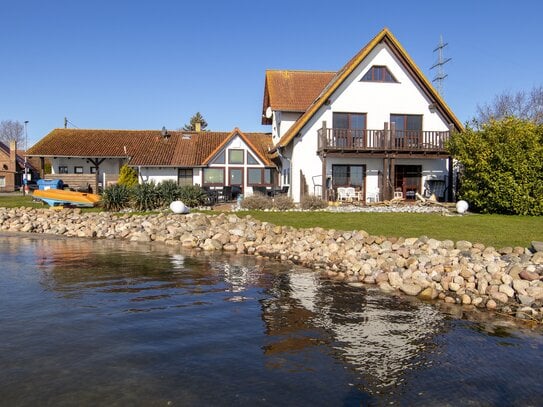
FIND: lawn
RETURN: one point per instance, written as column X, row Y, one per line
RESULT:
column 491, row 230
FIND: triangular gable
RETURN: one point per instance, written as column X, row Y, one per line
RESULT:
column 237, row 132
column 384, row 36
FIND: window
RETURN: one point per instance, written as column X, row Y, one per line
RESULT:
column 251, row 160
column 259, row 176
column 184, row 176
column 408, row 129
column 78, row 170
column 213, row 176
column 236, row 176
column 349, row 129
column 219, row 158
column 235, row 156
column 93, row 170
column 378, row 73
column 63, row 169
column 348, row 175
column 2, row 182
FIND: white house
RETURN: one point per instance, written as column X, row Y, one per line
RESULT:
column 377, row 125
column 208, row 159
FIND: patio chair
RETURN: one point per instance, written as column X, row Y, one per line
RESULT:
column 351, row 193
column 372, row 196
column 341, row 194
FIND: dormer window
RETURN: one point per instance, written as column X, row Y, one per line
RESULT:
column 378, row 73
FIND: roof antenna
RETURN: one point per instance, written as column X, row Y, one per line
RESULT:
column 440, row 71
column 65, row 122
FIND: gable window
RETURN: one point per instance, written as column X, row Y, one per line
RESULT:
column 236, row 156
column 184, row 176
column 214, row 176
column 63, row 169
column 408, row 129
column 378, row 73
column 349, row 129
column 219, row 158
column 78, row 170
column 251, row 160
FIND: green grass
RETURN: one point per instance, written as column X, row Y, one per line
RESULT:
column 491, row 230
column 17, row 199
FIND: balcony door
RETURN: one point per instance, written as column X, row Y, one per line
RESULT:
column 349, row 129
column 408, row 130
column 407, row 179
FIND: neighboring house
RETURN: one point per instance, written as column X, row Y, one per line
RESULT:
column 212, row 159
column 12, row 167
column 377, row 125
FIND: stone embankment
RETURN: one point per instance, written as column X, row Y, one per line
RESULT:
column 508, row 279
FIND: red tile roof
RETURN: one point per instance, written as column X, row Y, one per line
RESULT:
column 145, row 147
column 292, row 91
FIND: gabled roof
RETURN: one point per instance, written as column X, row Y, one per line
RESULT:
column 292, row 91
column 385, row 36
column 144, row 147
column 20, row 156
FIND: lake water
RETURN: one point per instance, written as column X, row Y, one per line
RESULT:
column 108, row 323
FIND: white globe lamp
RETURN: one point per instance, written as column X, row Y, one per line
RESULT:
column 461, row 207
column 178, row 207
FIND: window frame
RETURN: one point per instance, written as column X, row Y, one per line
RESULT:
column 230, row 151
column 185, row 176
column 262, row 176
column 212, row 184
column 230, row 169
column 383, row 69
column 78, row 169
column 348, row 176
column 63, row 169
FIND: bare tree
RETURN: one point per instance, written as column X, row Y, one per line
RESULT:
column 522, row 104
column 12, row 130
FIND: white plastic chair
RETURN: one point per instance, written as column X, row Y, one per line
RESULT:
column 341, row 194
column 351, row 193
column 372, row 196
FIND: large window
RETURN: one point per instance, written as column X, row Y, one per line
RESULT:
column 259, row 176
column 236, row 156
column 349, row 129
column 2, row 182
column 378, row 73
column 214, row 176
column 236, row 176
column 184, row 176
column 348, row 175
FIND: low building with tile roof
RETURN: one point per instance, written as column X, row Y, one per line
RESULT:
column 12, row 167
column 377, row 126
column 205, row 158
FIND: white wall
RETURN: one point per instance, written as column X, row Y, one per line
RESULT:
column 282, row 122
column 157, row 174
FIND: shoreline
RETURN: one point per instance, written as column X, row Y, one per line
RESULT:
column 509, row 281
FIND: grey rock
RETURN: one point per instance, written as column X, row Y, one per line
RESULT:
column 410, row 288
column 537, row 246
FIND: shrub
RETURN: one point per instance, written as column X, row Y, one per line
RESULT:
column 312, row 202
column 283, row 202
column 116, row 197
column 257, row 201
column 145, row 197
column 501, row 166
column 128, row 176
column 192, row 195
column 168, row 191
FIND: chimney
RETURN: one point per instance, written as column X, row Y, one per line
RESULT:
column 13, row 155
column 197, row 126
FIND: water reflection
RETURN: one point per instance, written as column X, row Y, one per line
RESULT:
column 202, row 328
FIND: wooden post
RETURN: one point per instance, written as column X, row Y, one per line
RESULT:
column 450, row 195
column 324, row 189
column 323, row 143
column 384, row 187
column 42, row 167
column 386, row 140
column 392, row 138
column 392, row 174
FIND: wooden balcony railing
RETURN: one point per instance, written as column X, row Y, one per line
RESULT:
column 331, row 139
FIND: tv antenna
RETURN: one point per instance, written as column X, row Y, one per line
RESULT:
column 439, row 65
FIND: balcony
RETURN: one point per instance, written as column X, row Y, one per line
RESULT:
column 372, row 142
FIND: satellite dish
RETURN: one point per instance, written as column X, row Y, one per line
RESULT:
column 268, row 112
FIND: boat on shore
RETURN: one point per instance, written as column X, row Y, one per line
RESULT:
column 60, row 197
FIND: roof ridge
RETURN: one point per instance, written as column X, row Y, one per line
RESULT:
column 299, row 70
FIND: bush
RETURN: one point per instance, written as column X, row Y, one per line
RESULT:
column 116, row 197
column 501, row 167
column 283, row 202
column 192, row 195
column 257, row 201
column 311, row 202
column 168, row 191
column 128, row 176
column 145, row 197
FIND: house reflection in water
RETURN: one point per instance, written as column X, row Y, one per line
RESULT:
column 381, row 336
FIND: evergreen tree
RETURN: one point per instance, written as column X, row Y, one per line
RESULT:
column 197, row 118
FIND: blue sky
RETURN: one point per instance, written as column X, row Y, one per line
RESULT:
column 124, row 64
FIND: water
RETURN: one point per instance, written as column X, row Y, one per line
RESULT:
column 109, row 323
